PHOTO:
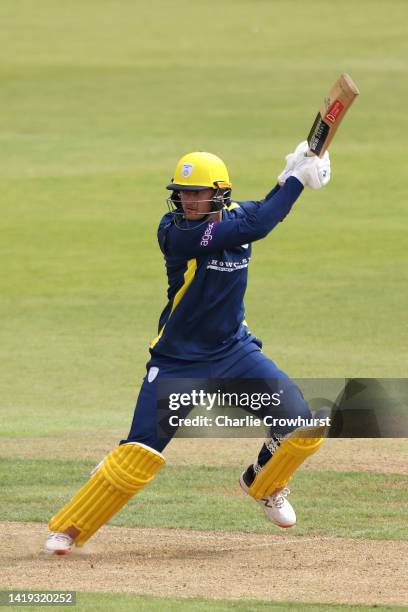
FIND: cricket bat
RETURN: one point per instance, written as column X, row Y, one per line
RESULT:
column 335, row 105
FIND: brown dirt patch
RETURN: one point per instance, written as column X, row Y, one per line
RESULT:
column 167, row 563
column 385, row 455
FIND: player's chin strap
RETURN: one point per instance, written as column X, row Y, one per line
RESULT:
column 186, row 225
column 220, row 199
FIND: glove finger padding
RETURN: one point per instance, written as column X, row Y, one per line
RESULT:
column 291, row 160
column 313, row 172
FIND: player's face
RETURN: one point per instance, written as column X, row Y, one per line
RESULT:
column 196, row 204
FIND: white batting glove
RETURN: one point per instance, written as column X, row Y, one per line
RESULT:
column 313, row 172
column 291, row 160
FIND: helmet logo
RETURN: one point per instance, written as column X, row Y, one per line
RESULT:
column 187, row 169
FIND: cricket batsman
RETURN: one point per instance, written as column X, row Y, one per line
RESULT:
column 206, row 242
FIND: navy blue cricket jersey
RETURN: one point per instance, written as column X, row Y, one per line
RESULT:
column 207, row 270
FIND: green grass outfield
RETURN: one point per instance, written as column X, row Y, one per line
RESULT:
column 97, row 105
column 99, row 99
column 338, row 504
column 125, row 601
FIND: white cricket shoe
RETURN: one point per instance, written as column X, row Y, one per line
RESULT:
column 58, row 543
column 276, row 506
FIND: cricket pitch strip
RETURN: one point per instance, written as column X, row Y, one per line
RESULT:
column 189, row 563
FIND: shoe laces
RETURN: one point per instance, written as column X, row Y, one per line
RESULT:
column 278, row 499
column 64, row 538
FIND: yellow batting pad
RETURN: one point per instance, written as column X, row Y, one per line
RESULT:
column 122, row 474
column 277, row 472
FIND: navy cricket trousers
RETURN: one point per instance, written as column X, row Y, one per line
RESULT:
column 249, row 362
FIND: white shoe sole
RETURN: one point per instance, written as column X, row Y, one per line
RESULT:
column 57, row 548
column 59, row 552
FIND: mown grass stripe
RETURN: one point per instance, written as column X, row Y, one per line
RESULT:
column 337, row 504
column 147, row 603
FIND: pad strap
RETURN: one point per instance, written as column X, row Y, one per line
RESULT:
column 277, row 472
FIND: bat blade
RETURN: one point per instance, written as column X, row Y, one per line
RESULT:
column 334, row 107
